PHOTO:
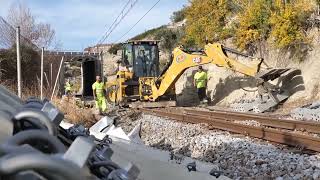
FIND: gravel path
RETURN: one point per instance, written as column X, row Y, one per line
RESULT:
column 238, row 157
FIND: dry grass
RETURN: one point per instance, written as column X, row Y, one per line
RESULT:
column 73, row 113
column 28, row 90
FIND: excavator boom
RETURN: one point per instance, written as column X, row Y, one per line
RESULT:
column 216, row 54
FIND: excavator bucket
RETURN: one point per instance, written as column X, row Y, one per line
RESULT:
column 271, row 74
column 273, row 96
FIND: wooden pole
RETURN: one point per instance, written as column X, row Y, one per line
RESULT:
column 41, row 76
column 51, row 78
column 57, row 78
column 47, row 80
column 101, row 66
column 18, row 61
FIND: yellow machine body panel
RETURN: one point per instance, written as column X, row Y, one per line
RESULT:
column 116, row 88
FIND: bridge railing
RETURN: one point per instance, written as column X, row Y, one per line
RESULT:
column 69, row 53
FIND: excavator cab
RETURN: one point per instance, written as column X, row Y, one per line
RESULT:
column 142, row 58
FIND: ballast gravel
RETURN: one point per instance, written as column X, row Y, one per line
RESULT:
column 238, row 157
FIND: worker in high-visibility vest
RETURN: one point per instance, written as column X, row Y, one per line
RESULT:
column 200, row 81
column 99, row 95
column 67, row 88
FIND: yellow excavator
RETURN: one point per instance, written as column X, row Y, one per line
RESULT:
column 139, row 77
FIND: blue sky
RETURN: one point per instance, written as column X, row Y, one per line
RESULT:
column 81, row 23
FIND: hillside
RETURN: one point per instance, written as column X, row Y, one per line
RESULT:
column 284, row 34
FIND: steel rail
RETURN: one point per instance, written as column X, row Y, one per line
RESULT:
column 269, row 134
column 312, row 127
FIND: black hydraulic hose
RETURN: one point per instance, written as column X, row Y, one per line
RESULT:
column 34, row 122
column 103, row 168
column 95, row 158
column 237, row 52
column 105, row 164
column 25, row 137
column 6, row 149
column 118, row 175
column 105, row 172
column 31, row 113
column 42, row 164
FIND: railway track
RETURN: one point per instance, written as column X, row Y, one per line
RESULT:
column 267, row 121
column 271, row 129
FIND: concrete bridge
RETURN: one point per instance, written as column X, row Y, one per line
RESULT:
column 85, row 64
column 72, row 55
column 69, row 53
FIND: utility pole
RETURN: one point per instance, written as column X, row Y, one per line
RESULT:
column 101, row 66
column 41, row 76
column 50, row 75
column 18, row 61
column 0, row 72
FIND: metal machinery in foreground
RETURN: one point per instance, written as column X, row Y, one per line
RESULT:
column 140, row 78
column 34, row 146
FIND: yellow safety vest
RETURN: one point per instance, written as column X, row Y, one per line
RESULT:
column 201, row 78
column 99, row 87
column 68, row 86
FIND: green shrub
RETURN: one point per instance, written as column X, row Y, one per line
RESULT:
column 148, row 33
column 169, row 38
column 30, row 64
column 289, row 24
column 178, row 15
column 253, row 26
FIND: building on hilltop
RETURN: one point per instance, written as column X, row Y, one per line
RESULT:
column 98, row 48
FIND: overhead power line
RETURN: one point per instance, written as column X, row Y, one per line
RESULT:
column 123, row 13
column 117, row 18
column 8, row 36
column 137, row 21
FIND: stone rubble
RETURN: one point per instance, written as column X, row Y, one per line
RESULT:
column 238, row 157
column 126, row 119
